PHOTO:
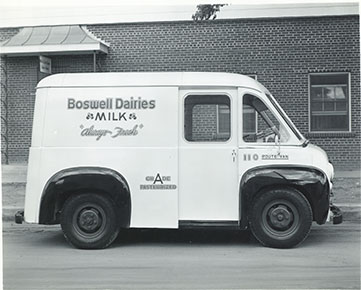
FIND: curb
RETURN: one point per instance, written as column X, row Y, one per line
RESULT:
column 9, row 213
column 17, row 183
column 350, row 212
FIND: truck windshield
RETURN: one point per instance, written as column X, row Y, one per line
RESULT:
column 260, row 125
column 287, row 119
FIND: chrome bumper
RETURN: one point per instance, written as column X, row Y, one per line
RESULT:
column 19, row 217
column 334, row 214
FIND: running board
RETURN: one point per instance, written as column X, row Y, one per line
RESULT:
column 183, row 224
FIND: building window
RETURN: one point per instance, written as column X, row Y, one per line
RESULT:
column 207, row 118
column 329, row 102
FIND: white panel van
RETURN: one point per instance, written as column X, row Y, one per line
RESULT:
column 171, row 150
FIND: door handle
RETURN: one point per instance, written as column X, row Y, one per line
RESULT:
column 234, row 155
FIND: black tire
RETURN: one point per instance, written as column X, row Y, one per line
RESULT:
column 281, row 218
column 89, row 221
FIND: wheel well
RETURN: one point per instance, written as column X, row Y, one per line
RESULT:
column 310, row 182
column 75, row 181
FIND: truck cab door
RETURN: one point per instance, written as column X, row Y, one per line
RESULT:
column 262, row 133
column 208, row 165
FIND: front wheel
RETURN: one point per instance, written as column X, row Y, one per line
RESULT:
column 89, row 221
column 281, row 218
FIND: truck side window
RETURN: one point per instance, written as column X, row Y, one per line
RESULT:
column 259, row 123
column 207, row 118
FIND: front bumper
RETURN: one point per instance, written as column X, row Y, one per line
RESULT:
column 335, row 214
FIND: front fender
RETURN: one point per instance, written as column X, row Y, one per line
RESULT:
column 311, row 182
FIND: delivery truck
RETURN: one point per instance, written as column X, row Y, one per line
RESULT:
column 171, row 150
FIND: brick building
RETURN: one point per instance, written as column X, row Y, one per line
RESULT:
column 311, row 64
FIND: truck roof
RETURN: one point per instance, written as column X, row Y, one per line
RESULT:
column 143, row 79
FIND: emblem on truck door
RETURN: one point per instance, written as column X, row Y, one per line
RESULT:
column 158, row 182
column 250, row 157
column 274, row 156
column 256, row 157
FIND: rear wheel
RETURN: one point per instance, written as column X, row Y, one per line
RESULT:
column 89, row 221
column 281, row 218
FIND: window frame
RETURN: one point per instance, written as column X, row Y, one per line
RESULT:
column 348, row 101
column 217, row 116
column 257, row 115
column 279, row 114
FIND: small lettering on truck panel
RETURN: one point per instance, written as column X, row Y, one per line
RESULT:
column 158, row 183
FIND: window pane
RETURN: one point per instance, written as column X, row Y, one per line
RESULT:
column 329, row 102
column 316, row 93
column 249, row 119
column 340, row 92
column 341, row 106
column 223, row 119
column 316, row 106
column 204, row 122
column 207, row 118
column 329, row 93
column 329, row 106
column 329, row 79
column 263, row 126
column 329, row 123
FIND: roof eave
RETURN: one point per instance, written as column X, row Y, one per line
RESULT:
column 63, row 49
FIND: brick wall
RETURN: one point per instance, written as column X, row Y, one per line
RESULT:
column 22, row 80
column 4, row 35
column 72, row 64
column 23, row 76
column 281, row 52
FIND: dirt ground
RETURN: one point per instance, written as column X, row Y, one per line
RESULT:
column 13, row 194
column 347, row 190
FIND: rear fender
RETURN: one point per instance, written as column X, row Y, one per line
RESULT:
column 84, row 179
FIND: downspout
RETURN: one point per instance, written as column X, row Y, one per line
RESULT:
column 94, row 61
